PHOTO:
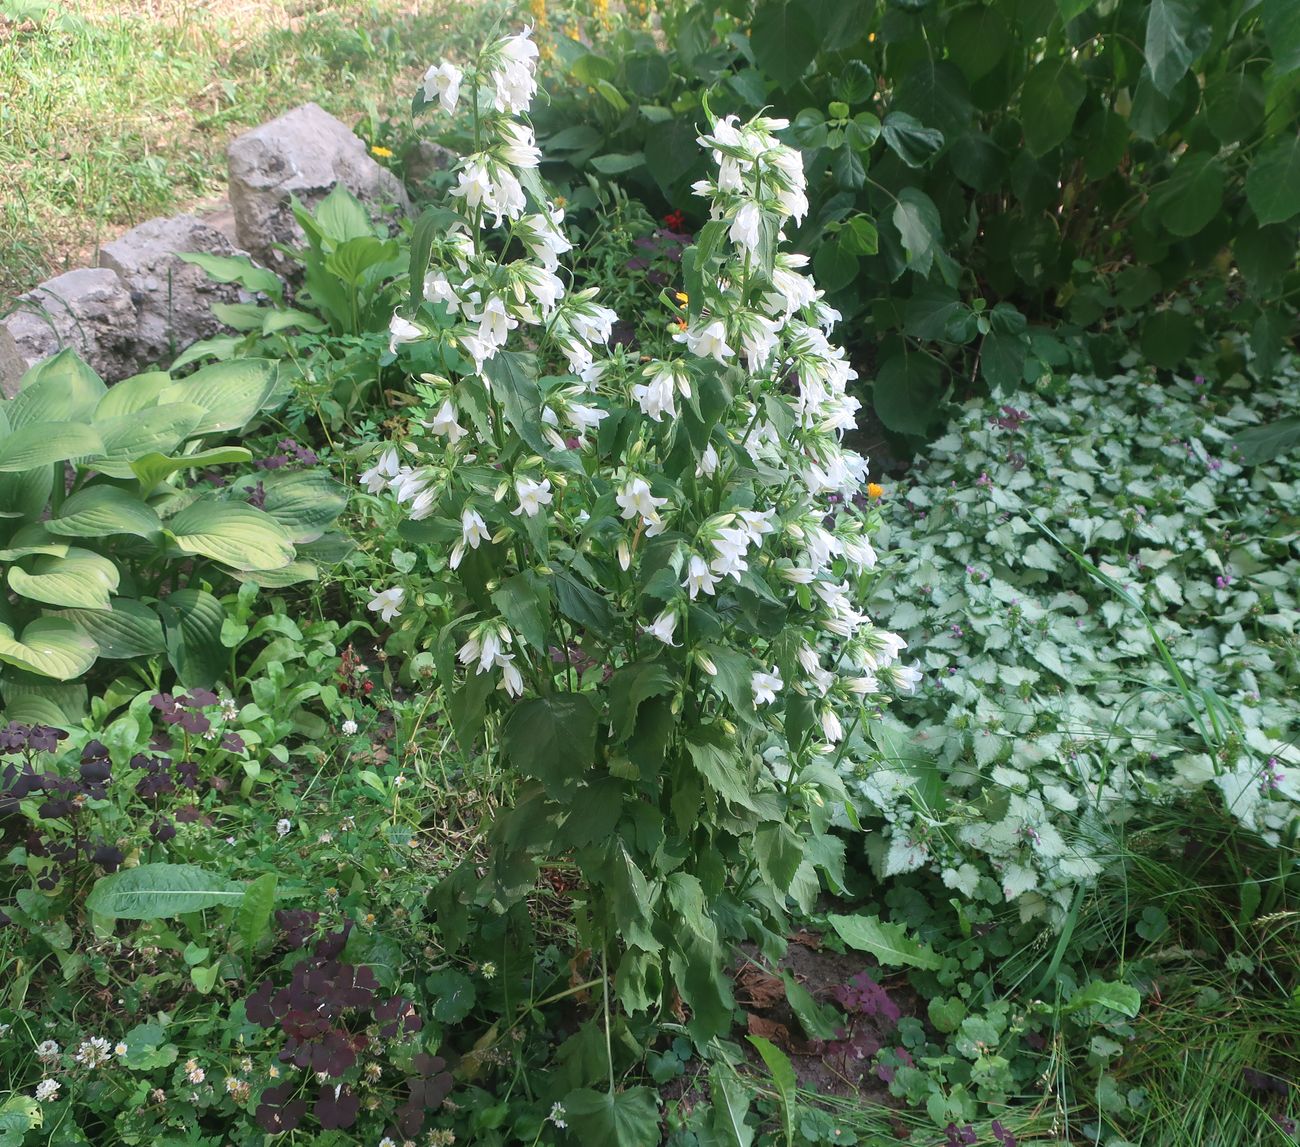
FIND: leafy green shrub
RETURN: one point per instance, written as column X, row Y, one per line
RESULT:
column 1064, row 692
column 110, row 548
column 996, row 189
column 352, row 276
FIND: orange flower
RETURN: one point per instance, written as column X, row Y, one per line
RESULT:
column 875, row 490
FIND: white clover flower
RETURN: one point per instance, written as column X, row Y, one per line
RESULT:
column 557, row 1115
column 47, row 1051
column 387, row 603
column 283, row 826
column 349, row 728
column 533, row 495
column 442, row 84
column 46, row 1090
column 766, row 686
column 376, row 479
column 93, row 1052
column 402, row 331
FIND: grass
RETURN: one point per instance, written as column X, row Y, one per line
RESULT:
column 116, row 111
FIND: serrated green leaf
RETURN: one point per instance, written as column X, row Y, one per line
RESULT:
column 1103, row 993
column 157, row 891
column 619, row 1119
column 889, row 943
column 553, row 739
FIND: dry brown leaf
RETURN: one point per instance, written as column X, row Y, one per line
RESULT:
column 757, row 989
column 779, row 1034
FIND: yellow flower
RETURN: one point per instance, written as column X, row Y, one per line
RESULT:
column 874, row 490
column 382, row 152
column 682, row 297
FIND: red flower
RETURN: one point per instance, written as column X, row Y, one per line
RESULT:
column 675, row 220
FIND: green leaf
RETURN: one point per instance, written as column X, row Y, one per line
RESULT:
column 1264, row 443
column 44, row 443
column 647, row 75
column 128, row 629
column 730, row 1106
column 511, row 375
column 553, row 739
column 785, row 1080
column 18, row 1115
column 155, row 430
column 1175, row 37
column 1271, row 186
column 1002, row 361
column 236, row 269
column 432, row 222
column 304, row 502
column 1264, row 255
column 619, row 1119
column 589, row 67
column 99, row 511
column 453, row 994
column 192, row 621
column 784, row 39
column 718, row 761
column 582, row 605
column 671, row 151
column 1234, row 106
column 615, row 163
column 1050, row 99
column 1281, row 20
column 631, row 685
column 834, row 265
column 156, row 891
column 819, row 1021
column 1187, row 202
column 351, row 260
column 1167, row 338
column 525, row 602
column 1107, row 994
column 242, row 316
column 153, row 469
column 911, row 141
column 234, row 534
column 49, row 647
column 231, row 392
column 977, row 38
column 253, row 918
column 906, row 392
column 283, row 320
column 342, row 216
column 919, row 228
column 777, row 851
column 83, row 578
column 889, row 943
column 60, row 389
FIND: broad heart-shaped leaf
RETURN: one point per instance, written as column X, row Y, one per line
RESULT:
column 98, row 511
column 128, row 629
column 236, row 535
column 304, row 502
column 629, row 686
column 236, row 269
column 553, row 739
column 525, row 602
column 784, row 38
column 18, row 1115
column 1168, row 338
column 342, row 216
column 622, row 1119
column 909, row 139
column 156, row 891
column 1271, row 186
column 1176, row 35
column 1282, row 31
column 920, row 229
column 1187, row 202
column 1050, row 98
column 82, row 579
column 60, row 389
column 139, row 392
column 1234, row 104
column 1264, row 256
column 889, row 943
column 154, row 430
column 231, row 392
column 44, row 443
column 192, row 620
column 906, row 391
column 1107, row 994
column 154, row 469
column 49, row 647
column 977, row 39
column 1272, row 440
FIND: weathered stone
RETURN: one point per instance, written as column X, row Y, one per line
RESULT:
column 173, row 299
column 304, row 153
column 426, row 159
column 89, row 310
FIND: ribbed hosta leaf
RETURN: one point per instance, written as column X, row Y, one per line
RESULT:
column 49, row 646
column 99, row 511
column 231, row 533
column 81, row 579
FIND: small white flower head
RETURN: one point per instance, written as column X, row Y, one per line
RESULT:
column 376, row 479
column 442, row 85
column 349, row 728
column 766, row 686
column 486, row 642
column 283, row 826
column 699, row 579
column 518, row 146
column 533, row 495
column 387, row 603
column 557, row 1115
column 120, row 1050
column 46, row 1090
column 229, row 708
column 93, row 1052
column 401, row 331
column 47, row 1051
column 707, row 341
column 905, row 678
column 635, row 498
column 657, row 397
column 729, row 546
column 663, row 627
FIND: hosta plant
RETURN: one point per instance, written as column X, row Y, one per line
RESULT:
column 652, row 555
column 1106, row 597
column 111, row 545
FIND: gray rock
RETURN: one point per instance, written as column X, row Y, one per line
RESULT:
column 89, row 310
column 304, row 153
column 426, row 159
column 173, row 298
